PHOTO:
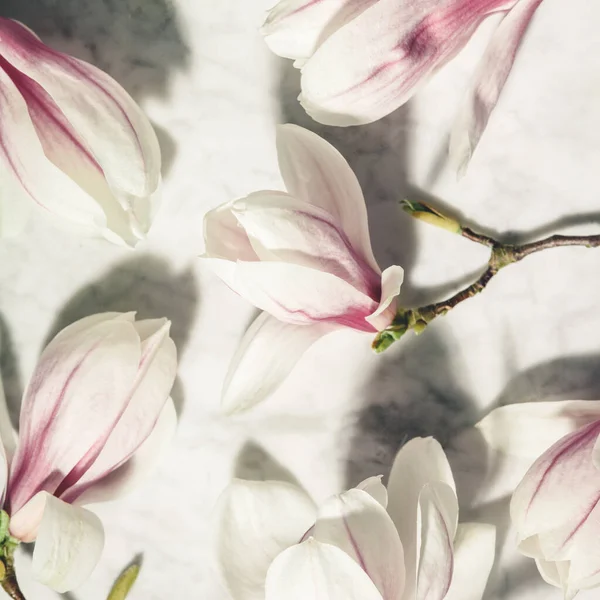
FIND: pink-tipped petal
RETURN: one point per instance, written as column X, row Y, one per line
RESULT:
column 68, row 546
column 318, row 571
column 357, row 524
column 315, row 172
column 489, row 82
column 391, row 281
column 296, row 28
column 266, row 355
column 80, row 385
column 374, row 64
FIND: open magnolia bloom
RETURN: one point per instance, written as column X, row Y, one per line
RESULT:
column 555, row 509
column 94, row 417
column 304, row 257
column 73, row 142
column 362, row 59
column 368, row 543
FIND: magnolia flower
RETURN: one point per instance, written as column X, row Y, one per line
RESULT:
column 362, row 59
column 304, row 257
column 367, row 543
column 93, row 418
column 555, row 508
column 73, row 142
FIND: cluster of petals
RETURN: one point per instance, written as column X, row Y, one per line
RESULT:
column 73, row 142
column 368, row 543
column 304, row 257
column 555, row 509
column 362, row 59
column 94, row 418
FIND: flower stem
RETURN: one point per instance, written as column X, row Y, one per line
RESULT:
column 501, row 256
column 9, row 581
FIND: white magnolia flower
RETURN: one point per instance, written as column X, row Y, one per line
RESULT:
column 72, row 141
column 362, row 59
column 94, row 417
column 555, row 509
column 304, row 257
column 368, row 543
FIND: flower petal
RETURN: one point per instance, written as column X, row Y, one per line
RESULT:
column 258, row 519
column 376, row 489
column 315, row 172
column 391, row 280
column 141, row 409
column 96, row 106
column 529, row 429
column 357, row 524
column 317, row 571
column 491, row 76
column 266, row 355
column 68, row 546
column 374, row 64
column 296, row 28
column 81, row 383
column 420, row 462
column 473, row 560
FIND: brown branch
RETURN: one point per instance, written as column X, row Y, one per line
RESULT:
column 10, row 584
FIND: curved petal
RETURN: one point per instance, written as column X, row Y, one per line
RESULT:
column 68, row 546
column 296, row 294
column 375, row 63
column 114, row 128
column 315, row 172
column 376, row 489
column 141, row 409
column 491, row 76
column 258, row 520
column 320, row 571
column 357, row 524
column 81, row 383
column 529, row 429
column 420, row 462
column 391, row 280
column 561, row 487
column 266, row 355
column 474, row 551
column 296, row 28
column 438, row 518
column 281, row 228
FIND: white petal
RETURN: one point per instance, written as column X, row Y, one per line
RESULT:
column 474, row 550
column 68, row 546
column 266, row 355
column 528, row 429
column 258, row 520
column 420, row 462
column 376, row 62
column 296, row 28
column 391, row 280
column 491, row 76
column 357, row 524
column 317, row 571
column 438, row 517
column 374, row 487
column 315, row 172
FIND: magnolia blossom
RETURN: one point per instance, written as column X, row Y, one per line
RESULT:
column 362, row 59
column 72, row 141
column 368, row 543
column 555, row 508
column 304, row 257
column 93, row 419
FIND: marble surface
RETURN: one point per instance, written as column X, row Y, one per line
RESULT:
column 214, row 92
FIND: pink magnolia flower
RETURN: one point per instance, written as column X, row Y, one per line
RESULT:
column 368, row 543
column 304, row 257
column 556, row 506
column 72, row 141
column 362, row 59
column 93, row 419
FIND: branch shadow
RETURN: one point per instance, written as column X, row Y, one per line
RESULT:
column 147, row 285
column 10, row 374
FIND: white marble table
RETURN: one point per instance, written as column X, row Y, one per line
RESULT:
column 202, row 72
